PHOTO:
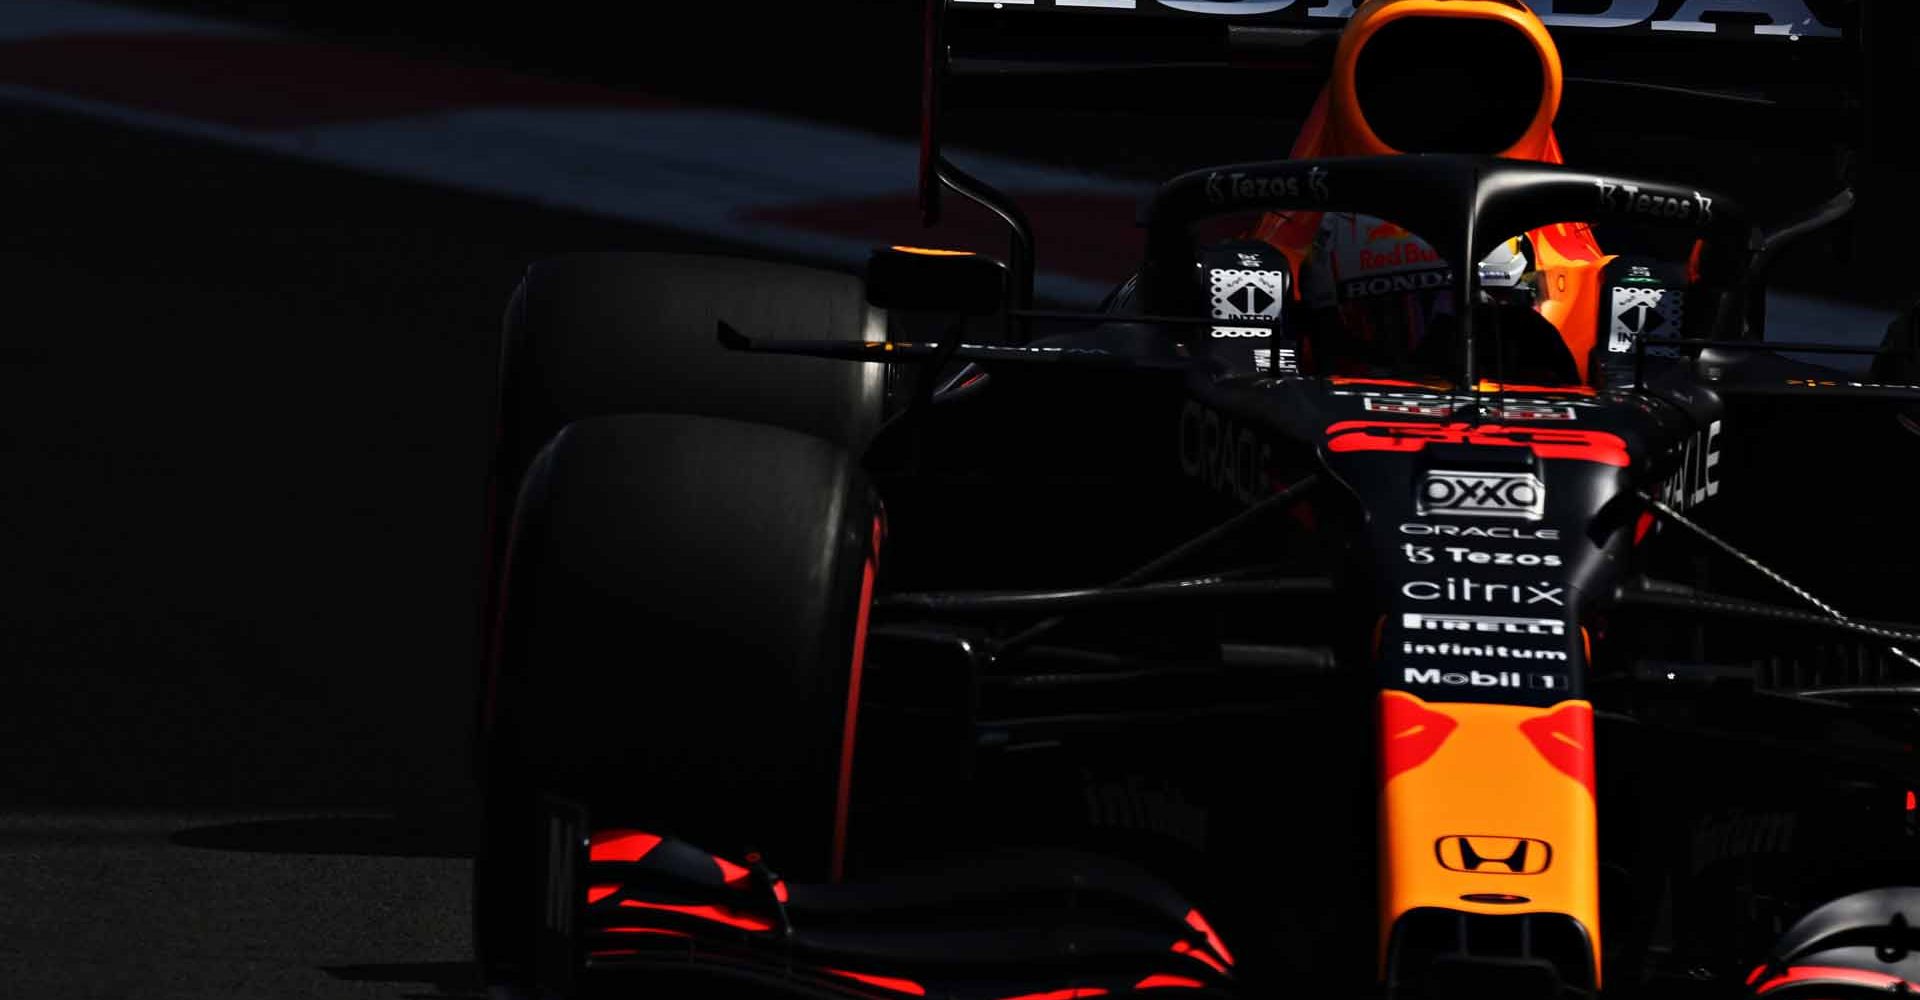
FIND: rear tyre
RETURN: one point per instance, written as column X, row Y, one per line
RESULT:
column 684, row 597
column 595, row 334
column 598, row 334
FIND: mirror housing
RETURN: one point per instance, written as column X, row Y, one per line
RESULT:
column 950, row 281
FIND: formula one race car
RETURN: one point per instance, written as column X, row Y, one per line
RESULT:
column 899, row 638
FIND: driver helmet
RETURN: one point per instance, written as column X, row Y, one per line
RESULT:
column 1432, row 76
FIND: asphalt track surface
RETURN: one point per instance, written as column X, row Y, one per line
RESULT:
column 242, row 401
column 244, row 414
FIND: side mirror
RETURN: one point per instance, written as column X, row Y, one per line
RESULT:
column 950, row 281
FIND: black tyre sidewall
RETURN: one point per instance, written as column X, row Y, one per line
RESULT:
column 678, row 624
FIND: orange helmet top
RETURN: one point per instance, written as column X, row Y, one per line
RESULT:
column 1384, row 44
column 1457, row 76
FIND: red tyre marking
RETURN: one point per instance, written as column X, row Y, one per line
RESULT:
column 1838, row 974
column 844, row 795
column 1199, row 954
column 897, row 985
column 1199, row 923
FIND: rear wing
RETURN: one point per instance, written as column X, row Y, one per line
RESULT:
column 1757, row 19
column 1756, row 50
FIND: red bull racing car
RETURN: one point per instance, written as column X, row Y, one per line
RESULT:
column 1443, row 609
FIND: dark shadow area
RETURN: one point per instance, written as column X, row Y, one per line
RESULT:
column 448, row 980
column 409, row 835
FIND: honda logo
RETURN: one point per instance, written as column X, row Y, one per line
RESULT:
column 1493, row 855
column 1482, row 494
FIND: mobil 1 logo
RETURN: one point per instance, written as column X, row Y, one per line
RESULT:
column 1521, row 656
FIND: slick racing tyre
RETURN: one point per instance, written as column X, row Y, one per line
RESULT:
column 596, row 334
column 684, row 599
column 601, row 333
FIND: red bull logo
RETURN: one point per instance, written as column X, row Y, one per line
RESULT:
column 1406, row 254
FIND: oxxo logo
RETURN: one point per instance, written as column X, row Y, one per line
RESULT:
column 1493, row 855
column 1482, row 494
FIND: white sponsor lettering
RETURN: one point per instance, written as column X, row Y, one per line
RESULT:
column 1476, row 531
column 1508, row 679
column 1499, row 402
column 1424, row 622
column 1496, row 651
column 1785, row 18
column 1698, row 477
column 1409, row 407
column 1386, row 283
column 1629, row 199
column 1466, row 588
column 1223, row 455
column 1222, row 187
column 1408, row 404
column 1482, row 494
column 1423, row 555
column 1822, row 383
column 1284, row 360
column 1528, row 411
column 1238, row 8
